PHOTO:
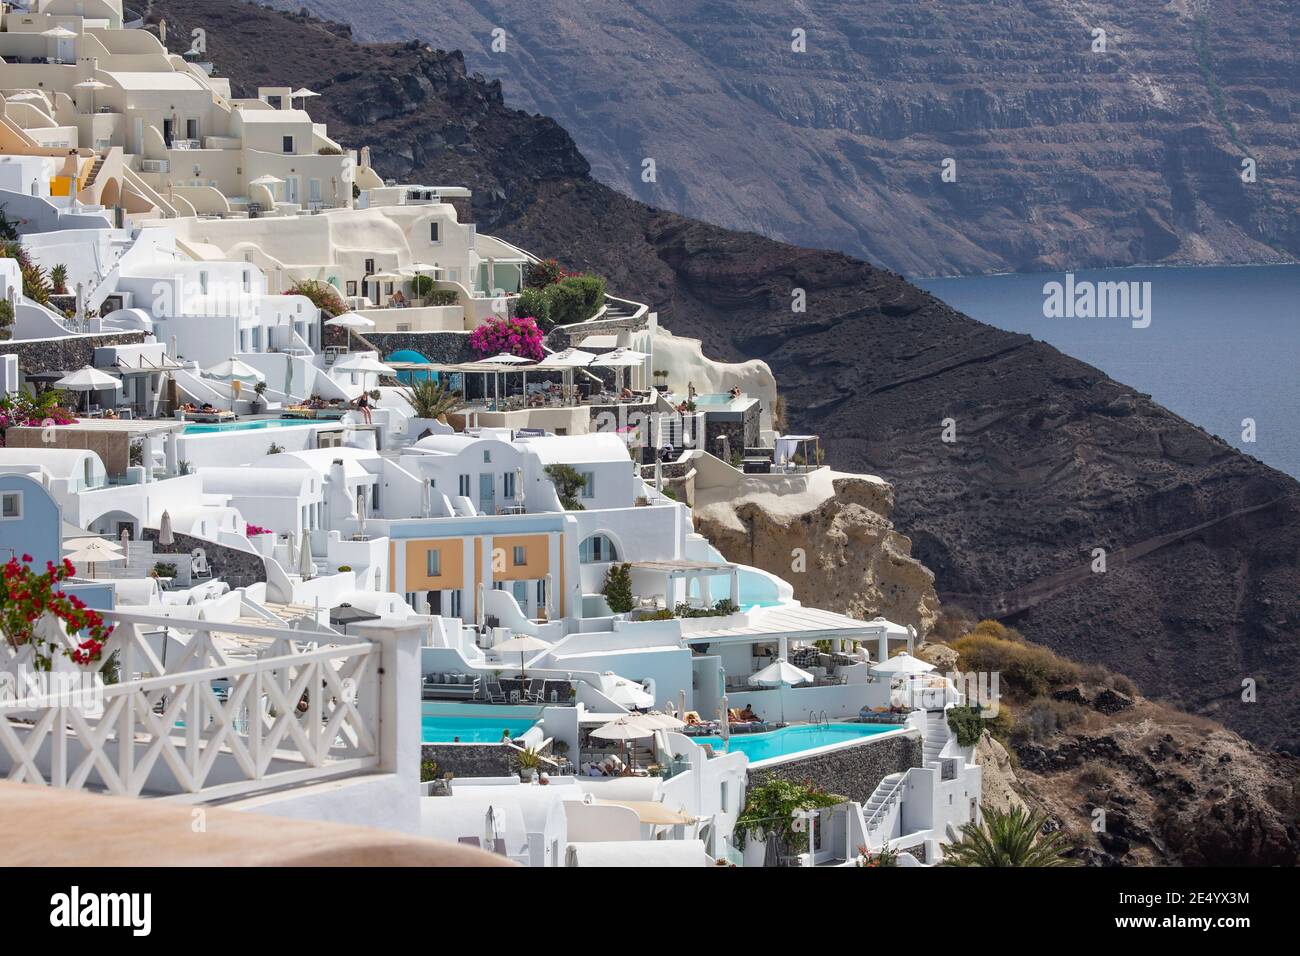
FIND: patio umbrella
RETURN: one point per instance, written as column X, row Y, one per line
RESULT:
column 505, row 359
column 346, row 614
column 902, row 665
column 351, row 320
column 96, row 551
column 657, row 720
column 165, row 537
column 626, row 693
column 267, row 182
column 624, row 729
column 232, row 369
column 780, row 673
column 521, row 645
column 91, row 85
column 567, row 360
column 303, row 93
column 87, row 379
column 365, row 365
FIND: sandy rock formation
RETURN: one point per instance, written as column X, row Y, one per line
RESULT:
column 833, row 541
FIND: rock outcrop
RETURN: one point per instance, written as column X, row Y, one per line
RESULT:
column 833, row 542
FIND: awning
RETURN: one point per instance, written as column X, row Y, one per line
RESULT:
column 649, row 811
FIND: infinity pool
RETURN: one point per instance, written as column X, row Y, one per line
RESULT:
column 793, row 740
column 202, row 429
column 447, row 728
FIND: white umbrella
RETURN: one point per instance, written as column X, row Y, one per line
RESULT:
column 569, row 358
column 58, row 33
column 351, row 320
column 233, row 369
column 76, row 544
column 619, row 358
column 521, row 645
column 96, row 551
column 266, row 180
column 902, row 664
column 92, row 85
column 165, row 537
column 779, row 673
column 364, row 363
column 88, row 380
column 625, row 692
column 623, row 729
column 659, row 721
column 506, row 358
column 303, row 92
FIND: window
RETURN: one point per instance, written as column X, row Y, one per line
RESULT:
column 520, row 556
column 352, row 287
column 370, row 267
column 11, row 505
column 596, row 549
column 455, row 603
column 191, row 129
column 434, row 236
column 589, row 484
column 203, row 283
column 248, row 280
column 464, row 486
column 487, row 457
column 288, row 144
column 433, row 563
column 508, row 484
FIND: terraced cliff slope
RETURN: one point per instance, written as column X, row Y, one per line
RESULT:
column 1066, row 156
column 1052, row 459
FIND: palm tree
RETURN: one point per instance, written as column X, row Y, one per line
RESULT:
column 1009, row 838
column 431, row 399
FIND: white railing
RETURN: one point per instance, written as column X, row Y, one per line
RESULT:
column 877, row 816
column 238, row 708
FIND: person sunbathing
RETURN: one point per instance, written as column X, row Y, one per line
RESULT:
column 747, row 715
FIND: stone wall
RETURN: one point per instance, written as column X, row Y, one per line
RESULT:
column 471, row 760
column 64, row 354
column 445, row 348
column 853, row 772
column 237, row 568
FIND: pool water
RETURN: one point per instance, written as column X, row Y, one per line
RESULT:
column 445, row 728
column 201, row 429
column 793, row 740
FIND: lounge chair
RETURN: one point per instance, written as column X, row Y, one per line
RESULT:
column 495, row 694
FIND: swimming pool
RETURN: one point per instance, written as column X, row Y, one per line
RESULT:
column 201, row 429
column 446, row 728
column 793, row 740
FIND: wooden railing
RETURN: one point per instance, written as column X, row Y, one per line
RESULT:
column 236, row 708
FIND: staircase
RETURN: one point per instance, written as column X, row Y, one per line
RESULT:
column 94, row 172
column 936, row 736
column 876, row 814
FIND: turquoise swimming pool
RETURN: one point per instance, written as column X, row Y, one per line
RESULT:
column 201, row 429
column 454, row 728
column 793, row 740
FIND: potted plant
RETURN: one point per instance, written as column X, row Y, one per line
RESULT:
column 661, row 379
column 530, row 761
column 59, row 279
column 258, row 390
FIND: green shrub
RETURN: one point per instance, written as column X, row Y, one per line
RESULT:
column 1028, row 669
column 568, row 482
column 535, row 302
column 428, row 770
column 422, row 286
column 618, row 588
column 967, row 724
column 6, row 319
column 770, row 808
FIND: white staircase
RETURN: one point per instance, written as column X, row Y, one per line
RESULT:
column 936, row 736
column 880, row 812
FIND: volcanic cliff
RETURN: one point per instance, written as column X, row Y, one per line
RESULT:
column 828, row 123
column 1052, row 459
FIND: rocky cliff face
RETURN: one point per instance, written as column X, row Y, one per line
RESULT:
column 839, row 550
column 1051, row 460
column 1065, row 156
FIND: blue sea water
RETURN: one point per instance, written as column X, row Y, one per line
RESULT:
column 1223, row 344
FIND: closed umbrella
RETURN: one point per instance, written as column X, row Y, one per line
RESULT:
column 521, row 645
column 305, row 565
column 165, row 536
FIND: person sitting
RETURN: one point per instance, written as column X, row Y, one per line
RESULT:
column 735, row 391
column 110, row 413
column 748, row 716
column 363, row 406
column 398, row 300
column 626, row 394
column 692, row 718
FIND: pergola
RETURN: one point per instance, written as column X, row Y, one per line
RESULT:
column 699, row 571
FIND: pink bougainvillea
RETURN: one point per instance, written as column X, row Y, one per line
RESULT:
column 253, row 530
column 519, row 336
